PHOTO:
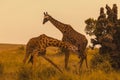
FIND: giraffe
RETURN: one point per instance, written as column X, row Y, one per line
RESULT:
column 37, row 47
column 71, row 36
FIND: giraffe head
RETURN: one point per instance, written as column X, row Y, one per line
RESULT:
column 46, row 17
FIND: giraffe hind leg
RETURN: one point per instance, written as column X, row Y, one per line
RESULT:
column 86, row 61
column 52, row 63
column 81, row 62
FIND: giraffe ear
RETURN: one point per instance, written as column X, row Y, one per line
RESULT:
column 44, row 13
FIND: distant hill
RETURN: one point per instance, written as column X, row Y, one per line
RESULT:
column 8, row 47
column 4, row 47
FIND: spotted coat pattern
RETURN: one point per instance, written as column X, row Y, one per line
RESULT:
column 40, row 43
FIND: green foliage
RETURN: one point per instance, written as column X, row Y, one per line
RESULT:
column 115, row 62
column 90, row 27
column 106, row 31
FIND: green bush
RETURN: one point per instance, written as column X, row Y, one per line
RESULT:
column 101, row 62
column 115, row 62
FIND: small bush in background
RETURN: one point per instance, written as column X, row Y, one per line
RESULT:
column 21, row 49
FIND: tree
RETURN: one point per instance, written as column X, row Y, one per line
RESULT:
column 106, row 30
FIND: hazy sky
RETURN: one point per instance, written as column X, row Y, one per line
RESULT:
column 22, row 19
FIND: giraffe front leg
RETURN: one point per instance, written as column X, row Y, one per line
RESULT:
column 67, row 54
column 34, row 58
column 86, row 61
column 81, row 62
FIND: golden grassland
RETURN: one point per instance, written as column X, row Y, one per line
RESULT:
column 12, row 68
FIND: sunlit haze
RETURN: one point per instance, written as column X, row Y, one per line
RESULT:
column 21, row 20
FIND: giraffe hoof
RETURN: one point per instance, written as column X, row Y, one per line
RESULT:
column 78, row 56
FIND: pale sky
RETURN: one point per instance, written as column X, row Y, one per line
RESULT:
column 21, row 20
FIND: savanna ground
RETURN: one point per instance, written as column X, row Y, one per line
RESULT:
column 12, row 68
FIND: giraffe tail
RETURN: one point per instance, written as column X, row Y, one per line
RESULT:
column 30, row 60
column 52, row 63
column 26, row 57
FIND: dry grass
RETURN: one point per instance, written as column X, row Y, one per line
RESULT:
column 12, row 68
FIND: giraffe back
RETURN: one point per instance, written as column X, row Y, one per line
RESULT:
column 43, row 41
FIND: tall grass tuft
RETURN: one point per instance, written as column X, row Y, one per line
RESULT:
column 46, row 73
column 24, row 73
column 22, row 48
column 101, row 62
column 1, row 68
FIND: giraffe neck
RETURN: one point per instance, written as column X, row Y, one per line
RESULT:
column 61, row 26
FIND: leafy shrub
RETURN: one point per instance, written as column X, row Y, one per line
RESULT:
column 115, row 62
column 101, row 62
